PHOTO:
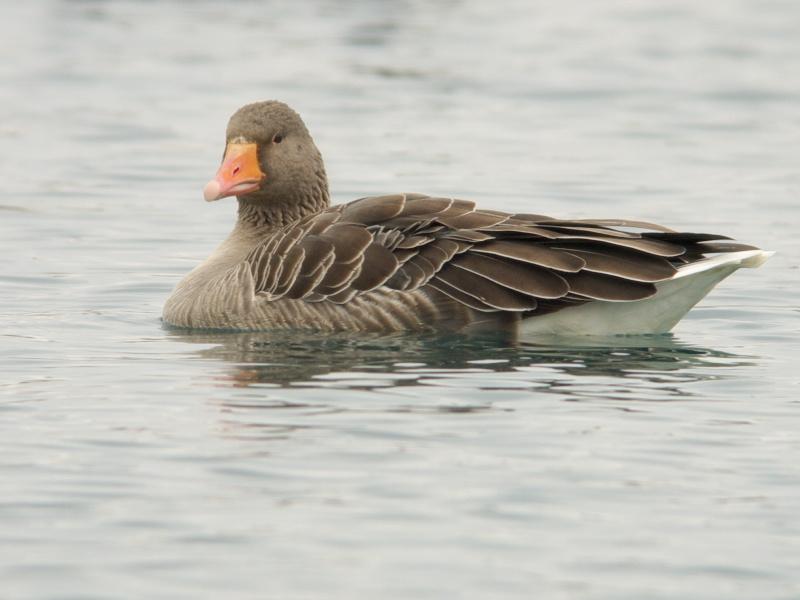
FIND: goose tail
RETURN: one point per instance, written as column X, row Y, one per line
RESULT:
column 658, row 314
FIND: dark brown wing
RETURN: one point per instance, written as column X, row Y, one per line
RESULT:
column 487, row 260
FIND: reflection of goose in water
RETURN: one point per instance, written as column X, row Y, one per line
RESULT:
column 657, row 363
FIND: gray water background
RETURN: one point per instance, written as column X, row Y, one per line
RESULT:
column 137, row 462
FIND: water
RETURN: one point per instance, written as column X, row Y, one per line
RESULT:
column 137, row 462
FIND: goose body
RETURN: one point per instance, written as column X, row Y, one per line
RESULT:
column 411, row 262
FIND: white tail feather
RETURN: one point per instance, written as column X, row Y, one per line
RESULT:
column 658, row 314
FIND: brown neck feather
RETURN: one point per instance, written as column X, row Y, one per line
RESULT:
column 272, row 211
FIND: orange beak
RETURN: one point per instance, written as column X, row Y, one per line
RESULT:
column 239, row 173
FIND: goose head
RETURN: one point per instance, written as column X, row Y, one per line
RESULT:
column 269, row 159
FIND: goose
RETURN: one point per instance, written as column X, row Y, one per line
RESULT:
column 414, row 262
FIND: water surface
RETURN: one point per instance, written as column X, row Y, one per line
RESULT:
column 140, row 462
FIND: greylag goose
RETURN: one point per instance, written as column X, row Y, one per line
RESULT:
column 416, row 262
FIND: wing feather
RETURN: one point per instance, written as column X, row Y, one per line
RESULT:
column 605, row 287
column 525, row 278
column 485, row 260
column 484, row 290
column 378, row 266
column 534, row 254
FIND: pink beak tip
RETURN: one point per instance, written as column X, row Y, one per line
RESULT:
column 211, row 191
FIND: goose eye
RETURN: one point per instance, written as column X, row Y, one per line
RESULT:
column 277, row 138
